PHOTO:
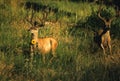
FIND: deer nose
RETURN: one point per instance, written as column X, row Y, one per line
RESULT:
column 32, row 34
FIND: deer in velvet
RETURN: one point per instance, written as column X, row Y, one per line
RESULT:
column 43, row 45
column 103, row 37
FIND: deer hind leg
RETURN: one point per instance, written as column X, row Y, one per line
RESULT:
column 43, row 58
column 53, row 50
column 103, row 48
column 53, row 55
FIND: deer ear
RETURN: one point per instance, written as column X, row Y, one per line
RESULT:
column 35, row 28
column 41, row 25
column 32, row 28
column 29, row 28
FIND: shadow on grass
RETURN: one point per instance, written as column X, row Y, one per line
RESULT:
column 106, row 70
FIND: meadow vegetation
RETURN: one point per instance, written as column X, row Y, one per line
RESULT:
column 78, row 57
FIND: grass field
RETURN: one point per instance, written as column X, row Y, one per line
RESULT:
column 78, row 57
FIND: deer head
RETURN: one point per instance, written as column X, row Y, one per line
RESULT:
column 106, row 21
column 36, row 21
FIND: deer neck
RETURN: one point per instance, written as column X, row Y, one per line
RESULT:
column 35, row 37
column 105, row 30
column 107, row 24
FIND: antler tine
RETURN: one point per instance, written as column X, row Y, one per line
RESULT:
column 99, row 11
column 43, row 19
column 116, row 14
column 29, row 19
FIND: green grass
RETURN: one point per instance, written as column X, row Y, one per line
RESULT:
column 77, row 58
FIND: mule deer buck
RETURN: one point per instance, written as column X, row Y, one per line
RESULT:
column 42, row 45
column 102, row 37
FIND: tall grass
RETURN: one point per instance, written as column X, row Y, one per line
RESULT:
column 76, row 59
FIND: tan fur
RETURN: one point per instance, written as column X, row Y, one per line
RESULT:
column 43, row 45
column 104, row 34
column 105, row 40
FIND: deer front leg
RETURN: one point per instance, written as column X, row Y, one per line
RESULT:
column 43, row 58
column 103, row 48
column 31, row 52
column 31, row 56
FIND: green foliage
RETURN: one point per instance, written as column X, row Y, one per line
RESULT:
column 108, row 12
column 115, row 30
